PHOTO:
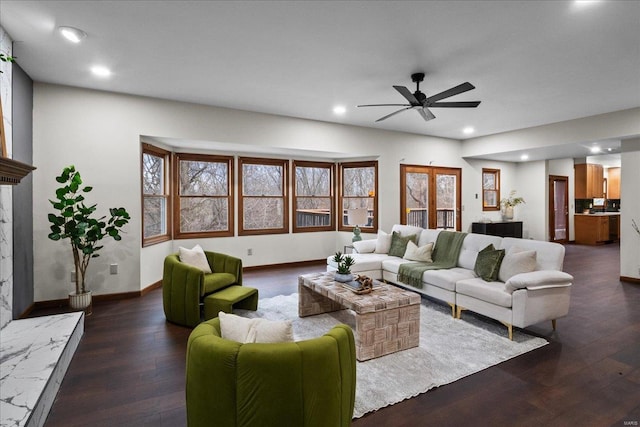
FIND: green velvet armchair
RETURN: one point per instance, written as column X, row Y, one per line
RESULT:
column 308, row 383
column 184, row 286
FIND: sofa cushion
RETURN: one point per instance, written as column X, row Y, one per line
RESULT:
column 415, row 253
column 428, row 236
column 406, row 230
column 244, row 330
column 550, row 255
column 399, row 243
column 473, row 244
column 447, row 279
column 516, row 261
column 383, row 243
column 492, row 292
column 488, row 263
column 363, row 262
column 195, row 257
column 365, row 246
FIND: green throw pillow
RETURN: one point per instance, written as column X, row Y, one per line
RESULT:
column 399, row 244
column 488, row 263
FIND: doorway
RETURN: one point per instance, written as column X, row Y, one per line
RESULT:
column 558, row 209
column 430, row 196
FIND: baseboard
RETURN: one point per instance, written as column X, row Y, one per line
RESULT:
column 285, row 264
column 629, row 279
column 62, row 303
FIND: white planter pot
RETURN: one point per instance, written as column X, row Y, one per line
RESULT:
column 343, row 278
column 81, row 301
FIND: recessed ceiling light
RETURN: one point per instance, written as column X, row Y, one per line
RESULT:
column 468, row 130
column 595, row 149
column 609, row 149
column 72, row 34
column 339, row 109
column 101, row 71
column 524, row 157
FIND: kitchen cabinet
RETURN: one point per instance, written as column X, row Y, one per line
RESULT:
column 596, row 229
column 613, row 183
column 589, row 181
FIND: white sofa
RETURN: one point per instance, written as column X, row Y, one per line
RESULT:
column 524, row 299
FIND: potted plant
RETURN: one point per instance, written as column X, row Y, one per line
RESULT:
column 508, row 203
column 343, row 274
column 77, row 222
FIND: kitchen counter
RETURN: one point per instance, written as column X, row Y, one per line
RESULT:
column 597, row 228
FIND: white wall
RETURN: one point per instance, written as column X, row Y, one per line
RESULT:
column 630, row 208
column 532, row 186
column 99, row 132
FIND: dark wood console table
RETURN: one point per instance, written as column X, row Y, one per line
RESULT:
column 502, row 229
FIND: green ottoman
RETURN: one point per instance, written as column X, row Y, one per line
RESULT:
column 228, row 298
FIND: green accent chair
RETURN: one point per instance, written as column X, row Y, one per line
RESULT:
column 308, row 383
column 184, row 287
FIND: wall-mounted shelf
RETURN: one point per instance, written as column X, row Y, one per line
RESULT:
column 12, row 171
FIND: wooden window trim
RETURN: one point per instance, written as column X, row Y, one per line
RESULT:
column 176, row 195
column 496, row 173
column 332, row 198
column 285, row 195
column 159, row 152
column 374, row 223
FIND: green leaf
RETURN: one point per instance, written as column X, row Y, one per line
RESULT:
column 61, row 179
column 117, row 237
column 67, row 213
column 61, row 192
column 73, row 187
column 87, row 189
column 54, row 236
column 79, row 198
column 58, row 206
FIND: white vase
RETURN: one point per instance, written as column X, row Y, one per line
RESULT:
column 507, row 214
column 81, row 301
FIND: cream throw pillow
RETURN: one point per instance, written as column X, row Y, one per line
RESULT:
column 383, row 244
column 415, row 253
column 516, row 261
column 241, row 329
column 195, row 257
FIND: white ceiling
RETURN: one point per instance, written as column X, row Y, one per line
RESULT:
column 532, row 62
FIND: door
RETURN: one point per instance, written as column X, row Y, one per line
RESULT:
column 430, row 197
column 558, row 209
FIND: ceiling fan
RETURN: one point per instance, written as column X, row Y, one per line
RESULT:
column 420, row 102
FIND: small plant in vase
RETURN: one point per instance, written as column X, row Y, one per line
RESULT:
column 343, row 274
column 508, row 203
column 76, row 221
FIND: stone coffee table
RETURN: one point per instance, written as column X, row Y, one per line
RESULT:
column 387, row 319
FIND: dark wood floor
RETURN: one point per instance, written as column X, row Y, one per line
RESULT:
column 129, row 367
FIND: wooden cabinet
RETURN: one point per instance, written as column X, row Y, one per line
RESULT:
column 589, row 180
column 596, row 229
column 502, row 229
column 613, row 183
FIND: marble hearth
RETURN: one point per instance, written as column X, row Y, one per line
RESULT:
column 34, row 356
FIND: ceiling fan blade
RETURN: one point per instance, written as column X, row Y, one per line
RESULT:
column 393, row 114
column 464, row 104
column 426, row 114
column 407, row 94
column 464, row 87
column 384, row 105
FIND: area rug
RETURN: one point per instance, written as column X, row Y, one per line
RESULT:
column 449, row 350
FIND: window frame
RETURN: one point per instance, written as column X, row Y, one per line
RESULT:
column 285, row 164
column 166, row 194
column 496, row 189
column 340, row 210
column 211, row 158
column 332, row 196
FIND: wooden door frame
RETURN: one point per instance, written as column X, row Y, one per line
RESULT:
column 551, row 212
column 431, row 171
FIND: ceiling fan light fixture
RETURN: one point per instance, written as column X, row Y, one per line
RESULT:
column 72, row 34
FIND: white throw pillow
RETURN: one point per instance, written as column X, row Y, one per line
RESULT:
column 415, row 253
column 244, row 330
column 383, row 244
column 516, row 261
column 195, row 257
